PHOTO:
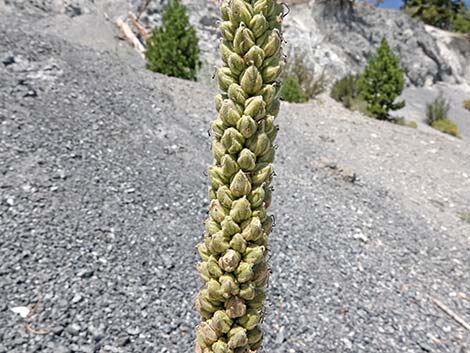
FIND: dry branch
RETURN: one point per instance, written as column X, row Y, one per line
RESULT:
column 140, row 28
column 130, row 36
column 449, row 312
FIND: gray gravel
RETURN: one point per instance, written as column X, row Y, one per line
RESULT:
column 102, row 199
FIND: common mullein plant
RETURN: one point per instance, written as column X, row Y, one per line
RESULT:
column 234, row 265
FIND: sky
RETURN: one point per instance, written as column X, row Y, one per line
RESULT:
column 394, row 4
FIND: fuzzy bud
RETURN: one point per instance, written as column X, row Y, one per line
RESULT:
column 235, row 307
column 213, row 290
column 241, row 11
column 254, row 254
column 229, row 165
column 218, row 150
column 216, row 177
column 229, row 262
column 203, row 271
column 247, row 292
column 218, row 127
column 241, row 210
column 252, row 230
column 221, row 322
column 254, row 337
column 225, row 197
column 219, row 243
column 254, row 56
column 226, row 49
column 260, row 144
column 251, row 80
column 268, row 93
column 247, row 160
column 250, row 320
column 260, row 212
column 243, row 40
column 230, row 227
column 261, row 7
column 247, row 126
column 236, row 94
column 229, row 113
column 207, row 332
column 225, row 78
column 238, row 243
column 216, row 211
column 203, row 251
column 267, row 157
column 227, row 30
column 256, row 197
column 258, row 25
column 268, row 225
column 228, row 285
column 213, row 267
column 273, row 44
column 271, row 73
column 261, row 176
column 221, row 347
column 261, row 272
column 236, row 63
column 232, row 140
column 212, row 226
column 240, row 185
column 244, row 272
column 258, row 301
column 255, row 107
column 237, row 337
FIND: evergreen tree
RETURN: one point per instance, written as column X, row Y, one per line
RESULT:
column 172, row 49
column 382, row 82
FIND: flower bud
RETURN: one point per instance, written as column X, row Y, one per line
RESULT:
column 221, row 322
column 230, row 227
column 261, row 176
column 212, row 226
column 225, row 78
column 236, row 94
column 240, row 185
column 254, row 254
column 206, row 304
column 219, row 243
column 260, row 144
column 261, row 272
column 261, row 41
column 260, row 212
column 228, row 285
column 274, row 108
column 255, row 107
column 236, row 63
column 218, row 127
column 247, row 292
column 258, row 25
column 235, row 307
column 211, row 193
column 229, row 113
column 267, row 157
column 255, row 56
column 207, row 332
column 261, row 7
column 203, row 271
column 247, row 126
column 200, row 343
column 243, row 40
column 213, row 290
column 227, row 30
column 233, row 140
column 237, row 337
column 241, row 11
column 203, row 251
column 256, row 197
column 244, row 272
column 255, row 337
column 221, row 347
column 273, row 44
column 262, row 240
column 216, row 211
column 229, row 166
column 238, row 243
column 268, row 93
column 250, row 319
column 258, row 301
column 218, row 150
column 251, row 80
column 271, row 73
column 241, row 210
column 225, row 197
column 252, row 229
column 268, row 225
column 218, row 100
column 226, row 49
column 216, row 177
column 246, row 160
column 213, row 267
column 229, row 262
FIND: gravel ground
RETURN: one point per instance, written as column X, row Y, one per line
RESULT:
column 102, row 200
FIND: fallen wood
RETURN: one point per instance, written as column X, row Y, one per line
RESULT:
column 449, row 312
column 140, row 28
column 130, row 36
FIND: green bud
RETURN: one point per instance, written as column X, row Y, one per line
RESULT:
column 258, row 301
column 236, row 94
column 229, row 228
column 216, row 211
column 267, row 225
column 243, row 40
column 218, row 127
column 262, row 40
column 203, row 251
column 252, row 230
column 229, row 166
column 238, row 243
column 273, row 44
column 241, row 210
column 236, row 63
column 212, row 226
column 268, row 93
column 228, row 285
column 260, row 212
column 237, row 337
column 255, row 107
column 214, row 291
column 260, row 144
column 218, row 100
column 233, row 140
column 226, row 49
column 251, row 80
column 229, row 113
column 261, row 272
column 219, row 243
column 203, row 271
column 227, row 30
column 244, row 272
column 229, row 262
column 261, row 7
column 211, row 193
column 274, row 108
column 216, row 177
column 271, row 73
column 256, row 197
column 225, row 78
column 247, row 292
column 240, row 185
column 241, row 11
column 261, row 176
column 218, row 150
column 247, row 126
column 246, row 160
column 250, row 320
column 213, row 267
column 255, row 56
column 206, row 304
column 254, row 336
column 225, row 197
column 200, row 343
column 262, row 241
column 266, row 158
column 221, row 322
column 207, row 332
column 235, row 307
column 225, row 11
column 258, row 25
column 254, row 254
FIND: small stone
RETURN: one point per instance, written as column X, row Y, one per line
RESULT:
column 73, row 329
column 77, row 298
column 123, row 341
column 133, row 331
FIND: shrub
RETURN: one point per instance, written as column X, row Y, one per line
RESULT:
column 172, row 48
column 345, row 90
column 296, row 68
column 403, row 122
column 382, row 82
column 291, row 90
column 466, row 104
column 446, row 126
column 437, row 110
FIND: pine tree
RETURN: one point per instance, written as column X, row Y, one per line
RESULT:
column 382, row 82
column 172, row 49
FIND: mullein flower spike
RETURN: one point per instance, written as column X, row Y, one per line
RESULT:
column 233, row 254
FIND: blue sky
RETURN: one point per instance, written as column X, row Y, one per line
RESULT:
column 396, row 3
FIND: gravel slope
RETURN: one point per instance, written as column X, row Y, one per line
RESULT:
column 102, row 200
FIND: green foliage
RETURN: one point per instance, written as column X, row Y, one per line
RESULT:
column 403, row 122
column 291, row 90
column 382, row 82
column 465, row 216
column 437, row 110
column 346, row 90
column 298, row 73
column 452, row 15
column 172, row 49
column 446, row 126
column 466, row 104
